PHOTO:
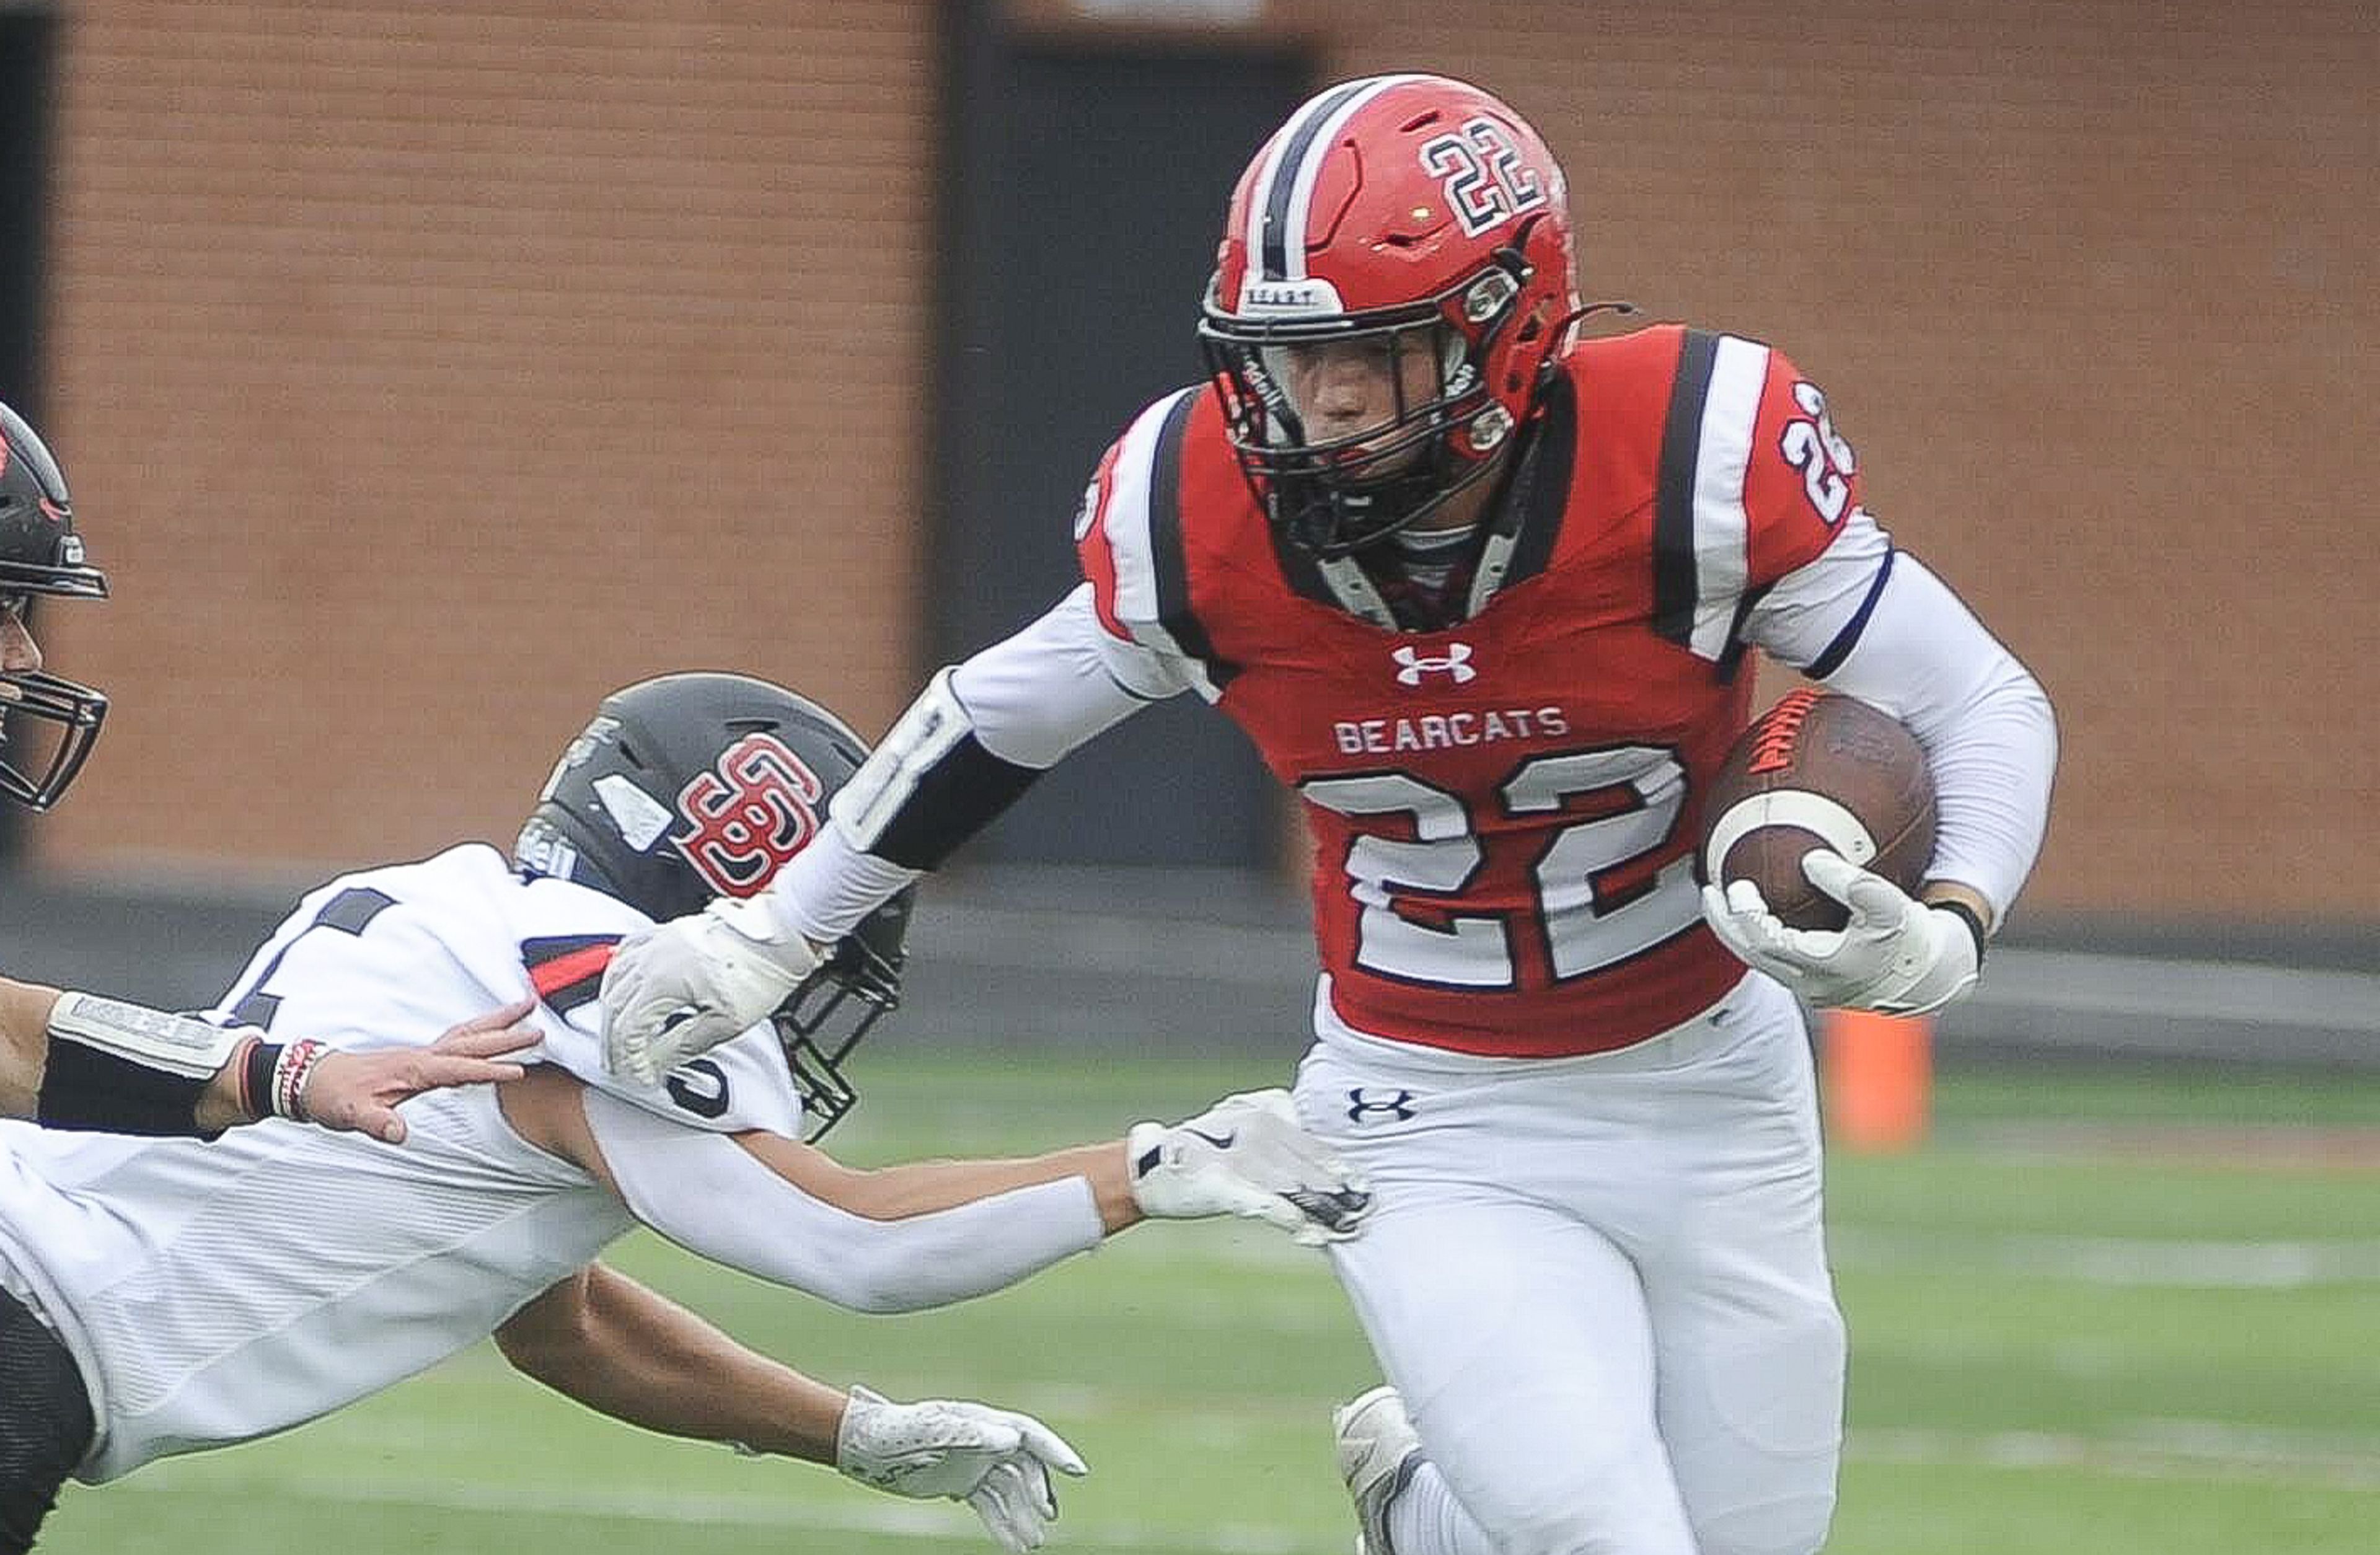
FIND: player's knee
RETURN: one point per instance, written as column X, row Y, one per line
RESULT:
column 1757, row 1471
column 1615, row 1521
column 1789, row 1525
column 1601, row 1506
column 1590, row 1531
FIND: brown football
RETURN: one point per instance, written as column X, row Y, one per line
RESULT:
column 1818, row 769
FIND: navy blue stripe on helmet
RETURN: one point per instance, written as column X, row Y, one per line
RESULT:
column 1275, row 259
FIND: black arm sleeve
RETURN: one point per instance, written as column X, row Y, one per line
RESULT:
column 85, row 1088
column 963, row 792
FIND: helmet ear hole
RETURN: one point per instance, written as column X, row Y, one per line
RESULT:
column 1533, row 329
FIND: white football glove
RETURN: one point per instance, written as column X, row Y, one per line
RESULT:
column 1247, row 1155
column 684, row 986
column 996, row 1460
column 1896, row 956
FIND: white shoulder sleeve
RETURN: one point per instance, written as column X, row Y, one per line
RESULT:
column 1873, row 622
column 1058, row 683
column 1810, row 616
column 711, row 1197
column 975, row 737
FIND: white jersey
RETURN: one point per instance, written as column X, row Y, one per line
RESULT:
column 215, row 1292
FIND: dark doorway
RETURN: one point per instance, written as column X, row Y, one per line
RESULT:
column 28, row 56
column 1084, row 191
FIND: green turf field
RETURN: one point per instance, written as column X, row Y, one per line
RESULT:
column 2104, row 1315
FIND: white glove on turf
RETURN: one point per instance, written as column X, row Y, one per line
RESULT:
column 996, row 1460
column 682, row 988
column 1247, row 1155
column 1897, row 956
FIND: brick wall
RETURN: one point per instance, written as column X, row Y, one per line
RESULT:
column 2093, row 286
column 422, row 371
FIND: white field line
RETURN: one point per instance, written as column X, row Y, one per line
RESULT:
column 2118, row 1261
column 2174, row 1451
column 2195, row 1450
column 888, row 1518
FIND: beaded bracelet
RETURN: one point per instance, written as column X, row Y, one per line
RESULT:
column 289, row 1074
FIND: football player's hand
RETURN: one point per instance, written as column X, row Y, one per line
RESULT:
column 1247, row 1155
column 360, row 1091
column 996, row 1460
column 682, row 988
column 1897, row 956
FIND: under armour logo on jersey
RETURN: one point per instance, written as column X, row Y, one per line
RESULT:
column 1413, row 663
column 1367, row 1105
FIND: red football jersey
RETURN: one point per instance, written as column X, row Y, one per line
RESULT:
column 1505, row 812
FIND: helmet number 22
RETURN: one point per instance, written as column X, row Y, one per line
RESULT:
column 1586, row 920
column 1486, row 180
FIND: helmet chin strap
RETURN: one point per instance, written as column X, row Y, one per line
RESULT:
column 1353, row 589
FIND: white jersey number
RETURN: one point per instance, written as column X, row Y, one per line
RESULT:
column 1815, row 448
column 1585, row 925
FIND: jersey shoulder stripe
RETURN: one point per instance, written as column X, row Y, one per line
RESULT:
column 1124, row 513
column 1141, row 519
column 1167, row 557
column 567, row 969
column 1702, row 530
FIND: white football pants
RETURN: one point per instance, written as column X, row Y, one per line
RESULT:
column 1600, row 1285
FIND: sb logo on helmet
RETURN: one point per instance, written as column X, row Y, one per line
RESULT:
column 747, row 816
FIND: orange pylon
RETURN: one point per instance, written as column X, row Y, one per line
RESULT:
column 1876, row 1080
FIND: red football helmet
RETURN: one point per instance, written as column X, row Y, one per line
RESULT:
column 1415, row 218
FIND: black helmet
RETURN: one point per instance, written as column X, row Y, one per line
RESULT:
column 47, row 723
column 694, row 786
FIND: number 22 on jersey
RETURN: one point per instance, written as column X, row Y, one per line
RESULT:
column 1585, row 917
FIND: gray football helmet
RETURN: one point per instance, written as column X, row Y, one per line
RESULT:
column 47, row 723
column 694, row 786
